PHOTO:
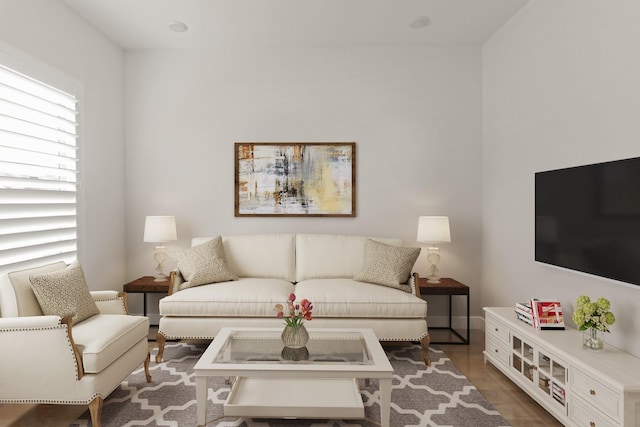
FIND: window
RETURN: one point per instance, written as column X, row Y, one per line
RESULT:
column 38, row 171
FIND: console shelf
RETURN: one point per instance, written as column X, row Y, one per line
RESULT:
column 577, row 386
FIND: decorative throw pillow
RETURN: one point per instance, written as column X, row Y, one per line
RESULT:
column 387, row 265
column 204, row 264
column 64, row 293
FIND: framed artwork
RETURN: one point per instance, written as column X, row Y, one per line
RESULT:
column 304, row 179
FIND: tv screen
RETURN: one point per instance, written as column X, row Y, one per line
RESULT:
column 587, row 218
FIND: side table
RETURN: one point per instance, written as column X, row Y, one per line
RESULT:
column 450, row 287
column 146, row 285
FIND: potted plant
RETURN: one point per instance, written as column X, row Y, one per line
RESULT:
column 592, row 318
column 295, row 335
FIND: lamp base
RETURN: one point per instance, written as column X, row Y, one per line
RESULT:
column 433, row 256
column 160, row 255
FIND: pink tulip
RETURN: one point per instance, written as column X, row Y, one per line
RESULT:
column 297, row 313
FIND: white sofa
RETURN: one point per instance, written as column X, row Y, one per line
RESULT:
column 318, row 267
column 49, row 359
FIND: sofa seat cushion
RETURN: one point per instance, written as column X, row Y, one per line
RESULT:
column 103, row 338
column 350, row 298
column 245, row 297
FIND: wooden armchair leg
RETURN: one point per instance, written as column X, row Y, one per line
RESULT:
column 147, row 362
column 160, row 341
column 95, row 409
column 424, row 343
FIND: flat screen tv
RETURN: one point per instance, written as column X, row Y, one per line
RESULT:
column 587, row 218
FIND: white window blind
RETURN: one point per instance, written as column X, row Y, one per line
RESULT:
column 38, row 172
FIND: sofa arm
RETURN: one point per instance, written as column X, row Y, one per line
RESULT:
column 175, row 280
column 110, row 302
column 39, row 351
column 413, row 282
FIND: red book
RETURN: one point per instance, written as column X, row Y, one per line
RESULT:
column 549, row 314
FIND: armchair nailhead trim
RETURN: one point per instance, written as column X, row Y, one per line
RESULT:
column 60, row 325
column 51, row 401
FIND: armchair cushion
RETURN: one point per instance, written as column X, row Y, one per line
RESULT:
column 203, row 264
column 387, row 265
column 64, row 293
column 103, row 338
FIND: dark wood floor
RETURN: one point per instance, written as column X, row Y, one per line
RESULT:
column 518, row 408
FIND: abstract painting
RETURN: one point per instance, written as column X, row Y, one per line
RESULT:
column 295, row 179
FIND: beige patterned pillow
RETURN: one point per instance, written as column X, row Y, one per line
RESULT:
column 387, row 265
column 204, row 264
column 64, row 293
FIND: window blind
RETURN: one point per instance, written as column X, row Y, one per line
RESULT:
column 38, row 172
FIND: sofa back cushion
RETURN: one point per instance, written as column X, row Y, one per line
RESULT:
column 259, row 255
column 16, row 295
column 330, row 256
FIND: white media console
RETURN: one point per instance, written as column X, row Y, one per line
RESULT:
column 579, row 387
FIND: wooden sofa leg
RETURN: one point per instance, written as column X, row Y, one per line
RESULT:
column 160, row 341
column 424, row 343
column 95, row 409
column 147, row 362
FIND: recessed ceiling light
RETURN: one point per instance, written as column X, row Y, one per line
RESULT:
column 178, row 26
column 420, row 22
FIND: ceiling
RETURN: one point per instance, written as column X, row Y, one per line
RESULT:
column 143, row 24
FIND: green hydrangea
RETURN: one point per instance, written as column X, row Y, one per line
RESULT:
column 595, row 315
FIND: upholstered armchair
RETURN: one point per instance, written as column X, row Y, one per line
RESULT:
column 52, row 359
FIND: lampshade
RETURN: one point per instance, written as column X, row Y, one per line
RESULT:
column 433, row 229
column 160, row 229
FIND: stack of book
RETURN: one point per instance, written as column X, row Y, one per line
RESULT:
column 558, row 393
column 541, row 314
column 524, row 312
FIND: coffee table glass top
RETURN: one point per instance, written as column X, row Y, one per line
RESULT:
column 324, row 347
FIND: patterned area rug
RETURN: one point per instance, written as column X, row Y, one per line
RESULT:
column 439, row 395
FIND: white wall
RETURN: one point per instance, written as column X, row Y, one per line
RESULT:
column 414, row 113
column 561, row 88
column 49, row 34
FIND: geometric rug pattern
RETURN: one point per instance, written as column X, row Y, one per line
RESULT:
column 435, row 396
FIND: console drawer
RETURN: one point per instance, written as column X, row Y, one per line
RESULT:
column 585, row 416
column 596, row 394
column 497, row 350
column 497, row 329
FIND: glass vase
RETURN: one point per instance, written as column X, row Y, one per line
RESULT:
column 593, row 339
column 295, row 337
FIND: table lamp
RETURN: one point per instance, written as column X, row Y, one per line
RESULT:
column 160, row 229
column 433, row 230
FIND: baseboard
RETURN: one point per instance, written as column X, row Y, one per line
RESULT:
column 458, row 322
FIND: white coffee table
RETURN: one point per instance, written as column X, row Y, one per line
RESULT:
column 266, row 385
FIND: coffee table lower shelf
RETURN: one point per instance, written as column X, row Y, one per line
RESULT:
column 282, row 398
